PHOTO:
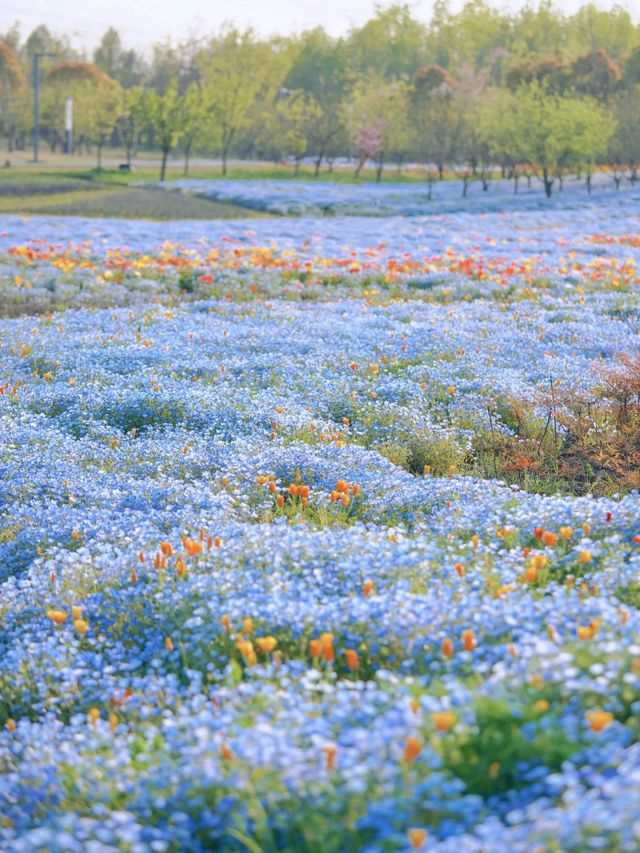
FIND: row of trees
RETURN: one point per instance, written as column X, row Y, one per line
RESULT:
column 535, row 91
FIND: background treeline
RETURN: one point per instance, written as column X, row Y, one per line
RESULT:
column 533, row 93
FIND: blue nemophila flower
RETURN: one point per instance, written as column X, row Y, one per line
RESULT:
column 238, row 601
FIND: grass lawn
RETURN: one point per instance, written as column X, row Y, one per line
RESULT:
column 66, row 195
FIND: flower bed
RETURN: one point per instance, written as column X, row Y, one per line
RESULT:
column 261, row 586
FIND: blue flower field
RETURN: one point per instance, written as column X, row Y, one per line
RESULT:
column 322, row 535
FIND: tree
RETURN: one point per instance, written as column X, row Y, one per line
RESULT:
column 376, row 115
column 236, row 72
column 164, row 114
column 538, row 31
column 436, row 117
column 122, row 65
column 320, row 68
column 42, row 40
column 631, row 73
column 285, row 127
column 624, row 150
column 474, row 33
column 391, row 44
column 555, row 133
column 596, row 75
column 191, row 120
column 97, row 103
column 13, row 98
column 591, row 28
column 469, row 99
column 554, row 74
column 491, row 119
column 103, row 108
column 132, row 119
column 12, row 37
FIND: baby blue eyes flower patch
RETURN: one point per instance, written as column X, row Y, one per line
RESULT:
column 321, row 534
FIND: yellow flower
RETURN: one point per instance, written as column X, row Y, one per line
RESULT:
column 412, row 749
column 539, row 561
column 417, row 837
column 599, row 720
column 57, row 616
column 443, row 720
column 266, row 644
column 81, row 626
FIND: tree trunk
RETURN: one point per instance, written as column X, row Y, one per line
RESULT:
column 99, row 156
column 163, row 167
column 589, row 184
column 187, row 154
column 225, row 153
column 316, row 171
column 548, row 183
column 379, row 169
column 359, row 166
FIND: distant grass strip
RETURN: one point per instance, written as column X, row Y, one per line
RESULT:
column 124, row 202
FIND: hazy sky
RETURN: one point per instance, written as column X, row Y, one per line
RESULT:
column 142, row 22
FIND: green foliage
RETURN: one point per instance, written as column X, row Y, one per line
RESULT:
column 625, row 144
column 97, row 104
column 548, row 131
column 286, row 127
column 233, row 93
column 630, row 594
column 437, row 117
column 164, row 115
column 492, row 755
column 436, row 455
column 237, row 73
column 376, row 115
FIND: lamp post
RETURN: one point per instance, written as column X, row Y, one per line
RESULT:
column 36, row 101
